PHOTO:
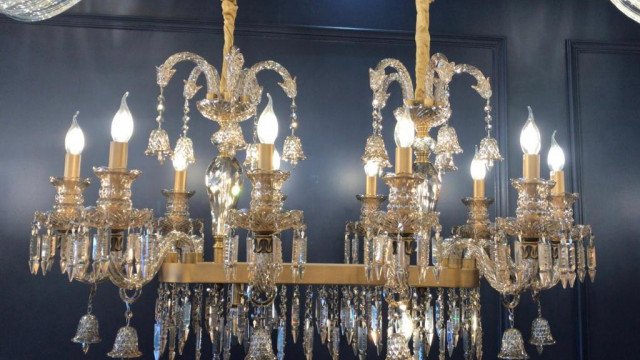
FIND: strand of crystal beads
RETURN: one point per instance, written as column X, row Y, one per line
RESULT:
column 282, row 323
column 230, row 245
column 299, row 253
column 307, row 341
column 368, row 256
column 436, row 249
column 355, row 248
column 422, row 257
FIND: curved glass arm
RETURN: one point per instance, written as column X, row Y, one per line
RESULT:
column 500, row 271
column 166, row 70
column 250, row 85
column 379, row 81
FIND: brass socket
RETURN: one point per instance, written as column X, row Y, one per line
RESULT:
column 531, row 166
column 191, row 257
column 218, row 249
column 71, row 166
column 478, row 189
column 559, row 187
column 171, row 258
column 118, row 154
column 404, row 160
column 180, row 181
column 371, row 187
column 265, row 157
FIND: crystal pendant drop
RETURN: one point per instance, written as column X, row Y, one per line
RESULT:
column 512, row 347
column 541, row 334
column 87, row 332
column 260, row 346
column 126, row 344
column 224, row 182
column 428, row 192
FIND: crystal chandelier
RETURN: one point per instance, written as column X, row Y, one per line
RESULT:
column 34, row 10
column 631, row 8
column 403, row 286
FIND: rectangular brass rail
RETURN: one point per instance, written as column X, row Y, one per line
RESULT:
column 464, row 276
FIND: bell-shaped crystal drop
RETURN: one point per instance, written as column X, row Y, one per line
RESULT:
column 260, row 346
column 88, row 332
column 541, row 334
column 512, row 347
column 126, row 344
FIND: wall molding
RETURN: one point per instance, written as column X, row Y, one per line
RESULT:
column 574, row 49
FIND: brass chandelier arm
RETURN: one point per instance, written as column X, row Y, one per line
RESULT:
column 423, row 48
column 465, row 276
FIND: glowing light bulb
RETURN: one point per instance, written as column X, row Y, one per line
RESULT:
column 371, row 168
column 405, row 130
column 235, row 190
column 530, row 136
column 268, row 124
column 276, row 160
column 407, row 325
column 74, row 140
column 555, row 159
column 122, row 124
column 478, row 169
column 179, row 161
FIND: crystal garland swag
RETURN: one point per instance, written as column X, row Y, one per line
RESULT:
column 436, row 301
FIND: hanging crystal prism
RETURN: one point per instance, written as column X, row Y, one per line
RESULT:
column 295, row 314
column 196, row 318
column 307, row 341
column 591, row 258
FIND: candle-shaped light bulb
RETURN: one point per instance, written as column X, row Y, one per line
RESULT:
column 276, row 160
column 478, row 169
column 478, row 173
column 74, row 140
column 555, row 159
column 405, row 131
column 122, row 124
column 267, row 124
column 371, row 168
column 179, row 161
column 530, row 136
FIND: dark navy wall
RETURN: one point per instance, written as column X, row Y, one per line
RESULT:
column 577, row 63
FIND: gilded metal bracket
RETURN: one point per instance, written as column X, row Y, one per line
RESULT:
column 465, row 276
